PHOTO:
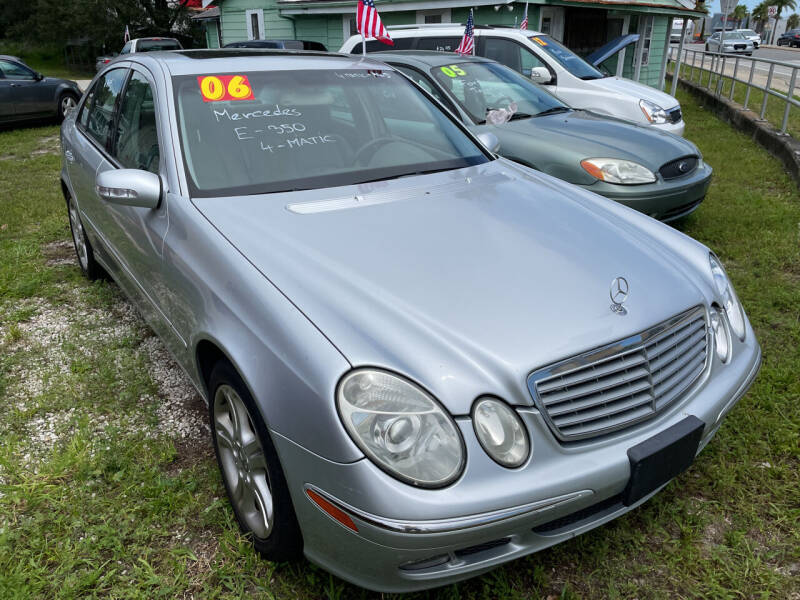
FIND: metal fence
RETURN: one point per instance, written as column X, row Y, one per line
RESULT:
column 771, row 77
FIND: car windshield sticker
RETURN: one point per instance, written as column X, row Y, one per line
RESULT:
column 453, row 71
column 218, row 88
column 539, row 41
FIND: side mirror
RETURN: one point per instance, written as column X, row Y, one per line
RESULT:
column 38, row 76
column 130, row 187
column 489, row 140
column 541, row 75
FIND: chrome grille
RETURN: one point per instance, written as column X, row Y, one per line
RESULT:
column 626, row 382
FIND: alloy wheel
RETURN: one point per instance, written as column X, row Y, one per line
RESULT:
column 243, row 462
column 67, row 104
column 78, row 236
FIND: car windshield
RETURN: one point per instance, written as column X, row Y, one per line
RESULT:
column 567, row 58
column 748, row 32
column 157, row 45
column 733, row 35
column 481, row 88
column 262, row 132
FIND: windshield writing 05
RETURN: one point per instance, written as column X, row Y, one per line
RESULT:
column 566, row 58
column 481, row 88
column 264, row 132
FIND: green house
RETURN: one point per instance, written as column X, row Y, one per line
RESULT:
column 582, row 25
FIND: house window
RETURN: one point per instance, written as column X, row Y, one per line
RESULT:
column 646, row 31
column 255, row 24
column 433, row 16
column 348, row 26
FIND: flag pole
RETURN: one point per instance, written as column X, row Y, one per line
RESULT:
column 363, row 45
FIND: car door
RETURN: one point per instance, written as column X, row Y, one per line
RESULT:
column 6, row 99
column 89, row 152
column 26, row 90
column 135, row 235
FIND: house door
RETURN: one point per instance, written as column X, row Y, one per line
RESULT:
column 551, row 21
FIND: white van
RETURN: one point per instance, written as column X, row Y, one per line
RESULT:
column 548, row 62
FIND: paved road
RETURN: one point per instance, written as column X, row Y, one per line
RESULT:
column 781, row 73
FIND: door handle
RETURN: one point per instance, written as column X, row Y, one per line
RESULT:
column 69, row 156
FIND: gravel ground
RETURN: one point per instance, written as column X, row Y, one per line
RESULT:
column 44, row 348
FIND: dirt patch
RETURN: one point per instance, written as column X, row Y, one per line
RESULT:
column 48, row 145
column 59, row 253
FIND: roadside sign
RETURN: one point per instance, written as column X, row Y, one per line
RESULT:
column 772, row 11
column 727, row 6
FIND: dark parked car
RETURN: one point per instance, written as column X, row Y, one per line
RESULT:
column 284, row 44
column 26, row 94
column 790, row 38
column 151, row 44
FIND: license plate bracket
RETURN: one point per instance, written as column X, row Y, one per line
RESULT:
column 662, row 457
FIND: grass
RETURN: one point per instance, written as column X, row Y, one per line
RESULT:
column 775, row 106
column 48, row 60
column 99, row 497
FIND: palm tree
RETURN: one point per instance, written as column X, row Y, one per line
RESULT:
column 760, row 14
column 781, row 4
column 793, row 21
column 739, row 13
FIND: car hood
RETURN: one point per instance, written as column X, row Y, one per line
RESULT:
column 582, row 134
column 620, row 85
column 465, row 281
column 606, row 51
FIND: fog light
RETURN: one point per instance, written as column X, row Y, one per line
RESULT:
column 501, row 432
column 722, row 335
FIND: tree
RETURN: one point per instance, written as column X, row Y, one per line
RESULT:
column 781, row 4
column 739, row 13
column 102, row 21
column 760, row 15
column 793, row 21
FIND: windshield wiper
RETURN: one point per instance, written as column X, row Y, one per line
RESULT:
column 552, row 111
column 519, row 115
column 412, row 174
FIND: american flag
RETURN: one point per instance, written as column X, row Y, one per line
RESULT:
column 467, row 42
column 369, row 22
column 524, row 24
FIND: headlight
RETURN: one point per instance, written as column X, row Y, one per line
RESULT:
column 727, row 297
column 400, row 427
column 500, row 432
column 616, row 170
column 653, row 112
column 722, row 337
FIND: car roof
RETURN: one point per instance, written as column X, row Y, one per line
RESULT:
column 430, row 30
column 14, row 58
column 155, row 38
column 227, row 60
column 429, row 58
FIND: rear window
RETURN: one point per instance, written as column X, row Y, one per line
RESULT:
column 157, row 45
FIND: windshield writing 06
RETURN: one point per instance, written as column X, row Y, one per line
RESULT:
column 566, row 58
column 264, row 132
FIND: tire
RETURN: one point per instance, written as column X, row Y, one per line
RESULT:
column 83, row 249
column 706, row 47
column 66, row 102
column 251, row 469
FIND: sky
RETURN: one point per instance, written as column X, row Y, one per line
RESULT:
column 751, row 4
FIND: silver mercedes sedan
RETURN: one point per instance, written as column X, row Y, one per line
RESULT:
column 420, row 360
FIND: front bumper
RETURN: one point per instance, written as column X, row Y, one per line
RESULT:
column 737, row 51
column 664, row 200
column 410, row 539
column 674, row 128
